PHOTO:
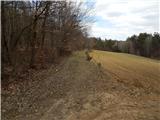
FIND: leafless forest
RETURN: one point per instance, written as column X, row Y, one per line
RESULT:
column 39, row 32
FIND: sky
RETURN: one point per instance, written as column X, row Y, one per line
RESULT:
column 119, row 19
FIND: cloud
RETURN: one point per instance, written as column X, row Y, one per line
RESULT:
column 114, row 14
column 119, row 19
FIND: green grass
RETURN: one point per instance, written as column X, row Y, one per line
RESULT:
column 132, row 69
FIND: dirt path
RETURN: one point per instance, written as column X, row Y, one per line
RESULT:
column 76, row 90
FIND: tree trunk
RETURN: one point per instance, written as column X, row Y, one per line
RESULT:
column 33, row 41
column 44, row 23
column 4, row 41
column 43, row 32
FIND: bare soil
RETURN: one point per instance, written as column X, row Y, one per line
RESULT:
column 77, row 89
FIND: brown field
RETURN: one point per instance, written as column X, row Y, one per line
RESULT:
column 123, row 87
column 131, row 69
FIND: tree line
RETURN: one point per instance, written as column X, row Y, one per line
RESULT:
column 36, row 32
column 144, row 44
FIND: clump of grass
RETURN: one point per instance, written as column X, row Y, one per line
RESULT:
column 99, row 64
column 88, row 57
column 138, row 84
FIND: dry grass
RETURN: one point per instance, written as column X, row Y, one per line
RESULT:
column 130, row 69
column 76, row 90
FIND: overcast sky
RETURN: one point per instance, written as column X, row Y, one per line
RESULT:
column 118, row 19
